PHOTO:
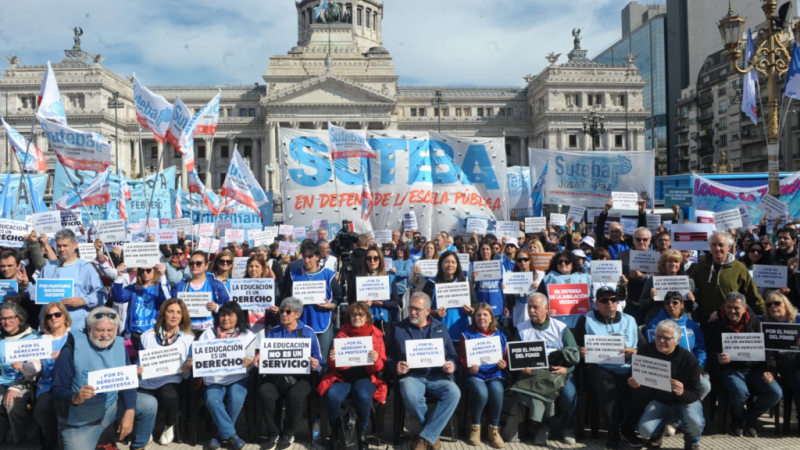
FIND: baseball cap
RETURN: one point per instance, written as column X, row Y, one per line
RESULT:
column 605, row 290
column 588, row 240
column 579, row 254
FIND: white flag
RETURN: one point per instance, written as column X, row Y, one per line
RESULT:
column 208, row 123
column 79, row 150
column 241, row 185
column 50, row 105
column 152, row 111
column 749, row 84
column 36, row 159
column 348, row 144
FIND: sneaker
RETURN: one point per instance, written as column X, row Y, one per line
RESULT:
column 736, row 427
column 541, row 437
column 235, row 443
column 215, row 443
column 167, row 436
column 613, row 441
column 670, row 430
column 751, row 428
column 270, row 443
column 569, row 437
column 634, row 441
column 654, row 442
column 285, row 442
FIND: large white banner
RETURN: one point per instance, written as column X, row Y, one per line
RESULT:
column 587, row 178
column 444, row 179
column 519, row 192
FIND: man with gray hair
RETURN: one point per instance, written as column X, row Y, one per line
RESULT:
column 718, row 274
column 85, row 414
column 682, row 402
column 88, row 291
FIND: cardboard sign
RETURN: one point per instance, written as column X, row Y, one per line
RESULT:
column 387, row 262
column 541, row 261
column 770, row 276
column 151, row 224
column 744, row 346
column 12, row 233
column 774, row 207
column 691, row 236
column 421, row 353
column 483, row 351
column 218, row 357
column 625, row 200
column 535, row 224
column 115, row 379
column 196, row 303
column 145, row 254
column 382, row 236
column 452, row 295
column 160, row 362
column 298, row 233
column 321, row 223
column 71, row 219
column 725, row 220
column 47, row 222
column 575, row 213
column 182, row 225
column 410, row 221
column 53, row 290
column 285, row 356
column 646, row 262
column 703, row 216
column 234, row 236
column 784, row 337
column 487, row 270
column 463, row 259
column 224, row 224
column 87, row 252
column 286, row 230
column 678, row 196
column 239, row 266
column 205, row 229
column 21, row 351
column 664, row 284
column 353, row 352
column 606, row 271
column 428, row 267
column 628, row 225
column 287, row 248
column 745, row 215
column 604, row 349
column 261, row 238
column 167, row 236
column 653, row 222
column 373, row 288
column 134, row 227
column 518, row 283
column 506, row 229
column 558, row 220
column 652, row 372
column 253, row 293
column 530, row 354
column 310, row 292
column 477, row 226
column 568, row 299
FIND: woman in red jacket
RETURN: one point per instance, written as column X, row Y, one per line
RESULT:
column 338, row 382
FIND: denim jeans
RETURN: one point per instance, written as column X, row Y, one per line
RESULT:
column 658, row 415
column 413, row 389
column 224, row 404
column 566, row 404
column 484, row 392
column 86, row 436
column 362, row 394
column 325, row 340
column 739, row 385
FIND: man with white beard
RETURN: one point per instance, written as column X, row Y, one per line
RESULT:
column 84, row 414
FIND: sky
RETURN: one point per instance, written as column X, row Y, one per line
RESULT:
column 205, row 42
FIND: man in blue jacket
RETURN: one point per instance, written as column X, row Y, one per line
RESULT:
column 435, row 381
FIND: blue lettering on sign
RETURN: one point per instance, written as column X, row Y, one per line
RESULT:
column 180, row 115
column 300, row 150
column 476, row 155
column 599, row 168
column 150, row 111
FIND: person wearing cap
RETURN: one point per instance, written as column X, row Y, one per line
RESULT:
column 416, row 252
column 636, row 279
column 582, row 259
column 610, row 381
column 509, row 254
column 587, row 245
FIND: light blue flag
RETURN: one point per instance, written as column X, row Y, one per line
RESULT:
column 322, row 7
column 750, row 86
column 36, row 200
column 6, row 202
column 792, row 88
column 537, row 194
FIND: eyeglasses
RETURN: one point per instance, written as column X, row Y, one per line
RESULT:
column 642, row 239
column 286, row 311
column 661, row 337
column 196, row 263
column 99, row 316
column 372, row 258
column 146, row 270
column 415, row 309
column 756, row 250
column 565, row 262
column 57, row 315
column 4, row 319
column 523, row 259
column 357, row 315
column 774, row 304
column 225, row 262
column 607, row 299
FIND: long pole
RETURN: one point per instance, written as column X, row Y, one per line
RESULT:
column 75, row 187
column 141, row 167
column 22, row 167
column 153, row 190
column 205, row 186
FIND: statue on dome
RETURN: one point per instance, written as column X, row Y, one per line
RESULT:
column 78, row 31
column 576, row 33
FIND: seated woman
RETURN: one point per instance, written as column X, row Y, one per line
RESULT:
column 225, row 393
column 454, row 318
column 362, row 381
column 173, row 329
column 781, row 310
column 379, row 309
column 15, row 388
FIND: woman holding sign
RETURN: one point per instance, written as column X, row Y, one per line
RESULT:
column 417, row 279
column 517, row 304
column 565, row 269
column 488, row 291
column 202, row 282
column 257, row 267
column 379, row 309
column 172, row 332
column 402, row 267
column 781, row 310
column 15, row 390
column 670, row 264
column 223, row 268
column 486, row 381
column 142, row 298
column 361, row 381
column 455, row 318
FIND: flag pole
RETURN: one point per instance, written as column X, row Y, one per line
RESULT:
column 75, row 187
column 141, row 166
column 205, row 185
column 153, row 190
column 22, row 167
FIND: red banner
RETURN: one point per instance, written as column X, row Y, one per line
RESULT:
column 567, row 299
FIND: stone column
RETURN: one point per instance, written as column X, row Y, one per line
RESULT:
column 272, row 159
column 209, row 154
column 364, row 126
column 318, row 125
column 184, row 173
column 159, row 163
column 231, row 146
column 255, row 158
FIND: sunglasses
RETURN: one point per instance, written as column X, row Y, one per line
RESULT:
column 146, row 270
column 358, row 315
column 755, row 250
column 286, row 311
column 57, row 315
column 372, row 258
column 774, row 304
column 225, row 262
column 606, row 300
column 661, row 337
column 565, row 262
column 523, row 259
column 642, row 239
column 99, row 316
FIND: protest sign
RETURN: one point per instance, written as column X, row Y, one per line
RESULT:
column 530, row 354
column 8, row 288
column 261, row 238
column 604, row 349
column 535, row 224
column 783, row 337
column 166, row 236
column 744, row 346
column 410, row 221
column 71, row 219
column 483, row 351
column 311, row 234
column 646, row 262
column 452, row 295
column 205, row 229
column 652, row 372
column 505, row 228
column 382, row 236
column 567, row 299
column 196, row 303
column 286, row 230
column 477, row 226
column 678, row 196
column 218, row 357
column 628, row 225
column 145, row 254
column 373, row 288
column 691, row 236
column 239, row 266
column 701, row 216
column 12, row 233
column 625, row 200
column 47, row 222
column 606, row 271
column 353, row 352
column 21, row 351
column 541, row 261
column 87, row 252
column 653, row 222
column 310, row 292
column 664, row 284
column 253, row 293
column 205, row 244
column 285, row 356
column 429, row 267
column 487, row 270
column 518, row 283
column 166, row 223
column 421, row 353
column 298, row 233
column 182, row 225
column 160, row 362
column 115, row 379
column 111, row 230
column 321, row 223
column 287, row 248
column 592, row 214
column 224, row 224
column 134, row 227
column 575, row 213
column 745, row 215
column 774, row 207
column 53, row 290
column 463, row 259
column 558, row 220
column 151, row 224
column 725, row 220
column 768, row 276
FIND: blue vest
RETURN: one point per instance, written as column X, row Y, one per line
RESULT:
column 488, row 371
column 8, row 375
column 315, row 317
column 489, row 292
column 46, row 381
column 626, row 327
column 87, row 359
column 456, row 320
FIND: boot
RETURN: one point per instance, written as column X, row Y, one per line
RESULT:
column 362, row 439
column 475, row 435
column 495, row 440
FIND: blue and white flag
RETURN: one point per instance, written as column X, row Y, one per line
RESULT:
column 537, row 192
column 750, row 86
column 322, row 7
column 6, row 200
column 49, row 104
column 37, row 202
column 792, row 88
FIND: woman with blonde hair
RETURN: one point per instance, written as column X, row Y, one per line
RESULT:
column 781, row 310
column 669, row 264
column 258, row 267
column 222, row 268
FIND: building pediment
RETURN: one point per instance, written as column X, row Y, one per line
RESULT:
column 328, row 89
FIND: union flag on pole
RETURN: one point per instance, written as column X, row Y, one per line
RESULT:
column 152, row 111
column 78, row 150
column 366, row 197
column 49, row 104
column 97, row 192
column 196, row 186
column 241, row 185
column 348, row 144
column 207, row 124
column 36, row 159
column 180, row 132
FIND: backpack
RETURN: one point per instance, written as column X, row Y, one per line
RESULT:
column 347, row 430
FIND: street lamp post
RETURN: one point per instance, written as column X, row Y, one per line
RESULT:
column 115, row 104
column 594, row 126
column 438, row 101
column 770, row 59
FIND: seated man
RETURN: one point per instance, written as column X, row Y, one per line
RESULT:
column 740, row 377
column 11, row 269
column 610, row 381
column 684, row 400
column 416, row 383
column 83, row 414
